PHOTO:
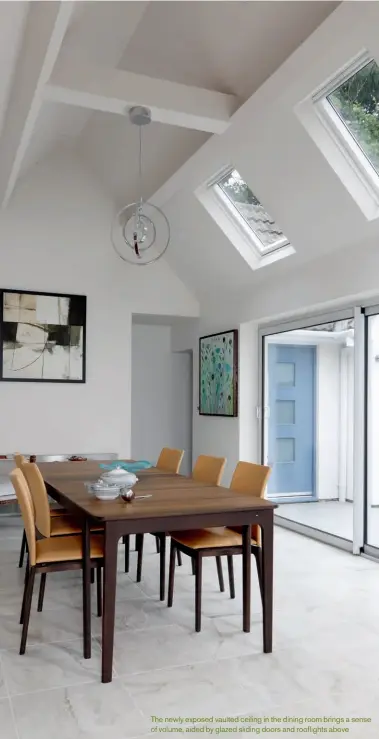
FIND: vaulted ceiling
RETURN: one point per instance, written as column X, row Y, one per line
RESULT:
column 223, row 47
column 222, row 80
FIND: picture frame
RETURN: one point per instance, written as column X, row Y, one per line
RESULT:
column 43, row 336
column 218, row 374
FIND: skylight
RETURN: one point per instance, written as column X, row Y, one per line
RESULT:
column 266, row 234
column 356, row 102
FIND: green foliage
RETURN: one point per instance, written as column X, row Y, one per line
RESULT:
column 357, row 103
column 237, row 190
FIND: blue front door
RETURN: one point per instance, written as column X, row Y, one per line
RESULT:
column 291, row 442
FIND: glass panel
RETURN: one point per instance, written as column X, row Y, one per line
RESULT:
column 285, row 451
column 373, row 432
column 285, row 411
column 357, row 103
column 285, row 373
column 252, row 211
column 309, row 383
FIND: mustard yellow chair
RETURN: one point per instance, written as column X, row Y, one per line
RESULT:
column 20, row 460
column 248, row 479
column 48, row 554
column 209, row 470
column 170, row 460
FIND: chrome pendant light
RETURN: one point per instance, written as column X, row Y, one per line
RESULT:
column 140, row 231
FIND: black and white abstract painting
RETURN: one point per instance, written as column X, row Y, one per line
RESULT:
column 42, row 337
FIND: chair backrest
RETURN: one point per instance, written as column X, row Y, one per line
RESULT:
column 209, row 469
column 40, row 500
column 19, row 459
column 250, row 478
column 25, row 502
column 170, row 459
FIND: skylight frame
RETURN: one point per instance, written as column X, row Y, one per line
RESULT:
column 240, row 221
column 338, row 143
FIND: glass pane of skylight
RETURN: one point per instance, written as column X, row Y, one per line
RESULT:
column 252, row 211
column 356, row 102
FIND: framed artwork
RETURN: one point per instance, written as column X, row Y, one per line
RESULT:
column 43, row 337
column 218, row 374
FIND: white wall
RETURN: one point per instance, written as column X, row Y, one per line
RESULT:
column 55, row 236
column 182, row 406
column 161, row 395
column 151, row 391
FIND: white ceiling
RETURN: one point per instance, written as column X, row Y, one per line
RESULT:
column 233, row 48
column 222, row 46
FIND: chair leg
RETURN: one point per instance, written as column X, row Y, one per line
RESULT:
column 41, row 595
column 179, row 557
column 193, row 566
column 28, row 603
column 257, row 551
column 92, row 576
column 220, row 574
column 126, row 540
column 162, row 566
column 157, row 543
column 98, row 590
column 231, row 576
column 25, row 590
column 171, row 575
column 139, row 541
column 22, row 550
column 198, row 586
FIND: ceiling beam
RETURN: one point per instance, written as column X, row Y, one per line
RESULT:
column 45, row 29
column 114, row 90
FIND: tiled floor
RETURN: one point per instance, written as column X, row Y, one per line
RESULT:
column 325, row 661
column 332, row 517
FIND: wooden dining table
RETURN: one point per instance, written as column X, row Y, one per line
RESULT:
column 175, row 503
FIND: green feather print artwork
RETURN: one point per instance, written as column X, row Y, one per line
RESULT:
column 218, row 355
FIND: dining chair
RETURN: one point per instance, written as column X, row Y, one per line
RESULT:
column 248, row 479
column 209, row 470
column 49, row 555
column 46, row 524
column 169, row 460
column 19, row 460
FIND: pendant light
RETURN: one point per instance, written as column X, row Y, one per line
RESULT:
column 140, row 231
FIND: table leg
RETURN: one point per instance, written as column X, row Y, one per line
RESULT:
column 109, row 604
column 86, row 589
column 162, row 565
column 267, row 578
column 246, row 576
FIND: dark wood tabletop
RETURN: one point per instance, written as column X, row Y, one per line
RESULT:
column 176, row 503
column 172, row 496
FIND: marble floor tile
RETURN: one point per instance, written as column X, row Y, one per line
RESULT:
column 11, row 576
column 50, row 666
column 92, row 711
column 3, row 688
column 325, row 659
column 65, row 624
column 167, row 646
column 7, row 725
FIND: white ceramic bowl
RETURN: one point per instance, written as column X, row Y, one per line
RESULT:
column 120, row 477
column 103, row 491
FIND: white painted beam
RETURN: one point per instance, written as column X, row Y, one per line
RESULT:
column 45, row 29
column 114, row 90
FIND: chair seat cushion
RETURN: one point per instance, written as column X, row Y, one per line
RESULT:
column 66, row 525
column 209, row 538
column 66, row 548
